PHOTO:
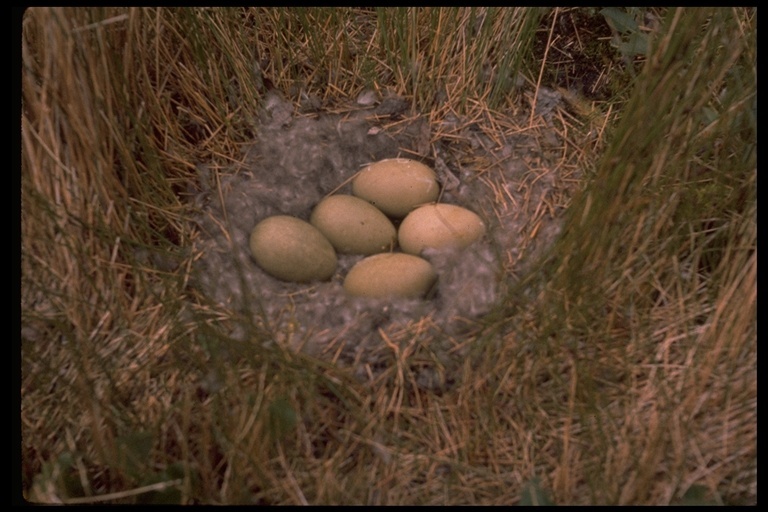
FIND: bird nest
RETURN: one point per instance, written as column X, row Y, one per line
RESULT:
column 516, row 177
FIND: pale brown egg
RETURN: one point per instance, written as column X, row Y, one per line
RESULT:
column 291, row 249
column 396, row 185
column 390, row 275
column 353, row 225
column 439, row 226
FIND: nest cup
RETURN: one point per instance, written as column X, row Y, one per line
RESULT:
column 289, row 169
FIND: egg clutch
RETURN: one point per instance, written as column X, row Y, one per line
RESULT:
column 398, row 189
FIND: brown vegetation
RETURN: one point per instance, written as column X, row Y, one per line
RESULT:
column 621, row 370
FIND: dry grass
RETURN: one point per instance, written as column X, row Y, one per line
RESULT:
column 622, row 371
column 656, row 278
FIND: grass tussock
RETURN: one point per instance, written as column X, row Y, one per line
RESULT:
column 651, row 292
column 623, row 370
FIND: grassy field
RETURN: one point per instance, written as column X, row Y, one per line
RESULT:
column 621, row 369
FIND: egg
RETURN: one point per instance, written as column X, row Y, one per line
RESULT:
column 396, row 185
column 353, row 225
column 439, row 226
column 390, row 275
column 291, row 249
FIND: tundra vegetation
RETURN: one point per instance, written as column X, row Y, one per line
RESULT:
column 619, row 367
